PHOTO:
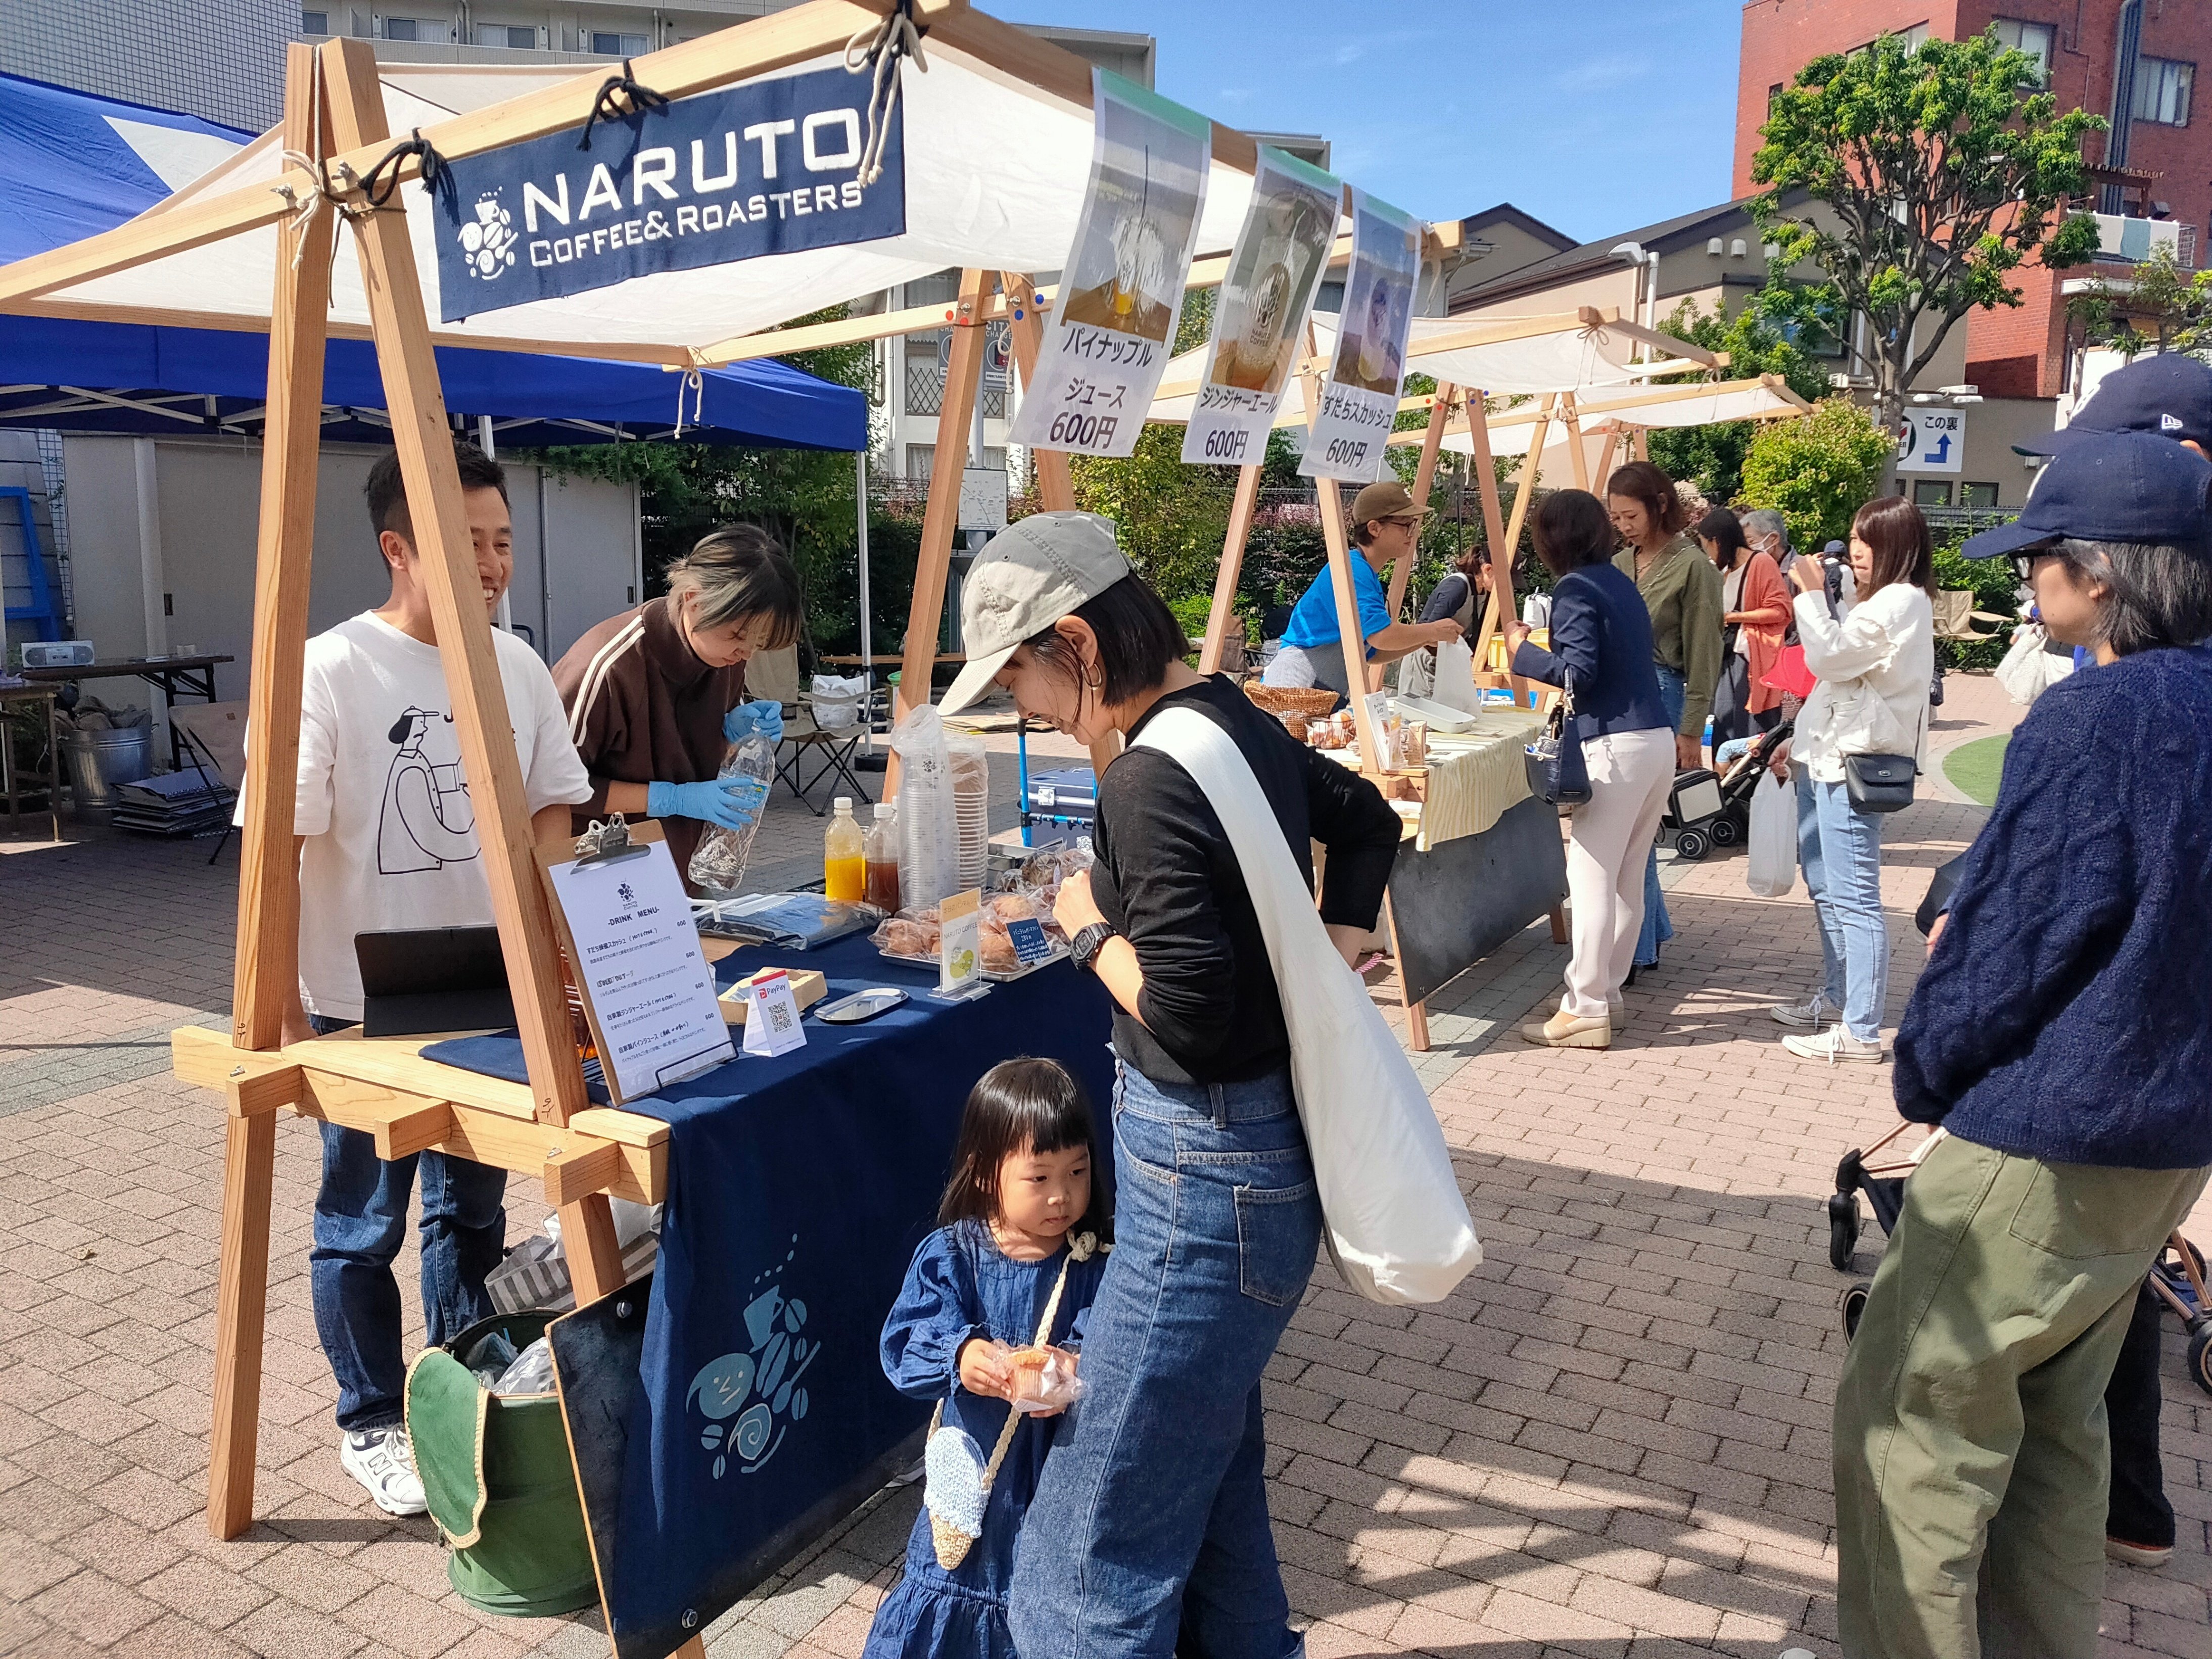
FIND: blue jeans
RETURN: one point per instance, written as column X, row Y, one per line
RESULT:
column 360, row 1221
column 1840, row 852
column 1148, row 1536
column 1658, row 927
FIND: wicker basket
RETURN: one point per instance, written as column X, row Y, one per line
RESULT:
column 1314, row 701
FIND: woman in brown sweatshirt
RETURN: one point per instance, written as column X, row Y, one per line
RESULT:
column 656, row 695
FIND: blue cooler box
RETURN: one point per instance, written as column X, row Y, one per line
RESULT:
column 1069, row 796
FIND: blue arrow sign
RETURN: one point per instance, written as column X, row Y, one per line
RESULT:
column 1942, row 450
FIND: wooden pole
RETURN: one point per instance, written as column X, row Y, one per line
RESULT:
column 941, row 514
column 1025, row 329
column 446, row 559
column 1219, row 618
column 1424, row 478
column 1350, row 637
column 268, row 871
column 1577, row 457
column 1608, row 458
column 1500, row 609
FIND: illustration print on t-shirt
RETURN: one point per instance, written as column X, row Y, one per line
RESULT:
column 428, row 821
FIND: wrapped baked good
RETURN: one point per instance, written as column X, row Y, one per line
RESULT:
column 908, row 933
column 999, row 956
column 1044, row 1379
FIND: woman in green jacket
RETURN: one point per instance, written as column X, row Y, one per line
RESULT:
column 1682, row 591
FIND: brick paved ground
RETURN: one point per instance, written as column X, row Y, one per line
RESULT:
column 1614, row 1439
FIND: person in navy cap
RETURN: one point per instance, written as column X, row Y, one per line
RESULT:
column 2061, row 1035
column 2169, row 395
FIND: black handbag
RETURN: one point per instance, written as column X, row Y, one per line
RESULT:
column 1557, row 772
column 1879, row 783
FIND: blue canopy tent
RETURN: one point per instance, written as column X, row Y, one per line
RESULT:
column 72, row 164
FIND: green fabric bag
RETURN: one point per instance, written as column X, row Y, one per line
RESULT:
column 499, row 1479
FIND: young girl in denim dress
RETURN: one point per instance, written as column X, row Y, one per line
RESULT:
column 1022, row 1237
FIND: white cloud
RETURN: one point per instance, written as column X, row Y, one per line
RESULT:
column 1600, row 74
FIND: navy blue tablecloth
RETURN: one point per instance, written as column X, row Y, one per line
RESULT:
column 797, row 1189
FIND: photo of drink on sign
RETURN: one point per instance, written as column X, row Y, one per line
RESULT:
column 1358, row 401
column 1120, row 294
column 1260, row 320
column 769, row 165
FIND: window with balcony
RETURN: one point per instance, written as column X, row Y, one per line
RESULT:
column 415, row 28
column 515, row 37
column 619, row 45
column 314, row 22
column 2162, row 90
column 2036, row 39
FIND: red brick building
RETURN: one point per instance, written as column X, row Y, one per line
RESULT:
column 2134, row 62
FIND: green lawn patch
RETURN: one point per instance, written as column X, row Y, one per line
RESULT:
column 1974, row 768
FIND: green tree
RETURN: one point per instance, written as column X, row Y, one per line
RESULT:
column 1816, row 472
column 1933, row 171
column 803, row 497
column 2157, row 307
column 1711, row 457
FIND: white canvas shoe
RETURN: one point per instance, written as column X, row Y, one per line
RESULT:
column 1837, row 1046
column 384, row 1463
column 1810, row 1015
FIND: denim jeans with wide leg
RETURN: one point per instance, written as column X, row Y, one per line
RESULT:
column 360, row 1221
column 1658, row 927
column 1840, row 851
column 1148, row 1536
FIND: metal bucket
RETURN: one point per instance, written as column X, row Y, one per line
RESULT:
column 98, row 760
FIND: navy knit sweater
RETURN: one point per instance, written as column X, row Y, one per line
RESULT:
column 2067, row 1012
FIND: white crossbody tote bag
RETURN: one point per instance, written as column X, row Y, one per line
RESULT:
column 1397, row 1226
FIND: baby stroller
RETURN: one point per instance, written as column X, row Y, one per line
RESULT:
column 1707, row 809
column 2177, row 1277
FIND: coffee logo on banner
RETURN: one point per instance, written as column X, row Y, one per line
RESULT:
column 751, row 1398
column 768, row 166
column 490, row 238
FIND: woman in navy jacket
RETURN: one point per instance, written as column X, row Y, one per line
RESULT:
column 1601, row 653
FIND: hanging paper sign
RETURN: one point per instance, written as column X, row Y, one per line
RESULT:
column 1359, row 395
column 1121, row 291
column 1266, row 296
column 768, row 166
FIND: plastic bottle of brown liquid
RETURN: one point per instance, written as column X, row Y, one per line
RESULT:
column 843, row 872
column 883, row 851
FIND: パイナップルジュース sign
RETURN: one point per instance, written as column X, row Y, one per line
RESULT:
column 768, row 166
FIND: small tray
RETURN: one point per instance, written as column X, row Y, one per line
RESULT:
column 861, row 1005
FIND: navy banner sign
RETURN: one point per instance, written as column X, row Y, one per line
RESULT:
column 769, row 167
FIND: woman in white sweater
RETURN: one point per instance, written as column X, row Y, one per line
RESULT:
column 1874, row 667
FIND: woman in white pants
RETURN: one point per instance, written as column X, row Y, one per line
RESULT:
column 1601, row 653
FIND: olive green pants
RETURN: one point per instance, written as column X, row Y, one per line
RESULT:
column 1972, row 1459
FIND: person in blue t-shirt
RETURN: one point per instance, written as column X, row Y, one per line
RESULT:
column 1385, row 526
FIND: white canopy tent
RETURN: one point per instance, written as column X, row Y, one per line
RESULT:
column 996, row 173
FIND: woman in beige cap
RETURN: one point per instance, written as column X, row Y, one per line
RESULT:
column 1151, row 1517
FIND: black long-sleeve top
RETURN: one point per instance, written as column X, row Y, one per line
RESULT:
column 1168, row 880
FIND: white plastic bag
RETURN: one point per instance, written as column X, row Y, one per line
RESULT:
column 1396, row 1225
column 836, row 702
column 2028, row 669
column 928, row 818
column 1772, row 838
column 1454, row 684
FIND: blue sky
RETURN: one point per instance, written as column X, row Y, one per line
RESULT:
column 1596, row 116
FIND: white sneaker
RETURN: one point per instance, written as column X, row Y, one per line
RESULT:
column 1809, row 1015
column 384, row 1463
column 1836, row 1045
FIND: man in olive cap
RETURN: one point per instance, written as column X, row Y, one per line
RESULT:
column 1385, row 526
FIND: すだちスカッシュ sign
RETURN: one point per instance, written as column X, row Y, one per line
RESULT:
column 767, row 166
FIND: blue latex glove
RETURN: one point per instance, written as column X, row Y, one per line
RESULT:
column 733, row 803
column 747, row 717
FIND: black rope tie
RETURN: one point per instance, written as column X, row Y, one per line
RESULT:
column 623, row 86
column 383, row 179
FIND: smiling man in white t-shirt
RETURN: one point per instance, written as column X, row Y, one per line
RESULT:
column 387, row 839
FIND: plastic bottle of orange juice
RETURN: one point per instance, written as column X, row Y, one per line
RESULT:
column 844, row 857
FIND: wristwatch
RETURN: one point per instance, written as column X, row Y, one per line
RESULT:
column 1087, row 943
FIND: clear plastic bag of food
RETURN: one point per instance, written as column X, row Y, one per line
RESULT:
column 1044, row 1379
column 717, row 866
column 911, row 933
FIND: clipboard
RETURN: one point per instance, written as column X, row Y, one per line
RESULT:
column 616, row 853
